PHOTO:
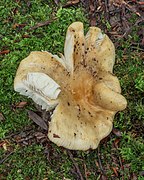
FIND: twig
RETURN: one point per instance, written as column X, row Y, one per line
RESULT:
column 107, row 10
column 18, row 132
column 100, row 164
column 5, row 158
column 85, row 172
column 42, row 24
column 135, row 24
column 120, row 161
column 75, row 164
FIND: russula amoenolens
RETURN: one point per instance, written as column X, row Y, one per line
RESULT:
column 80, row 86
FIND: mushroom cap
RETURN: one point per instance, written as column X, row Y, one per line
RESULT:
column 79, row 84
column 35, row 78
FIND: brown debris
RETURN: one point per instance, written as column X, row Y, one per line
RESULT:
column 71, row 3
column 113, row 16
column 21, row 104
column 115, row 171
column 6, row 157
column 75, row 164
column 117, row 132
column 38, row 120
column 100, row 163
column 45, row 23
column 4, row 52
column 16, row 25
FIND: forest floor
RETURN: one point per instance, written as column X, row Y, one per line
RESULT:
column 25, row 151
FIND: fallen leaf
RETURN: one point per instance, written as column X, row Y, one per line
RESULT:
column 38, row 120
column 5, row 146
column 116, row 141
column 39, row 135
column 16, row 25
column 117, row 132
column 25, row 36
column 21, row 104
column 71, row 3
column 115, row 171
column 4, row 52
column 1, row 143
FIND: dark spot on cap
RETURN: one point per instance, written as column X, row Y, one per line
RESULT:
column 55, row 136
column 74, row 47
column 82, row 44
column 68, row 103
column 74, row 134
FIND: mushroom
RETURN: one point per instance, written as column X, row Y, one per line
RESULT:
column 80, row 85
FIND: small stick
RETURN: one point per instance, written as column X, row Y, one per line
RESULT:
column 18, row 132
column 100, row 164
column 85, row 172
column 5, row 158
column 42, row 24
column 130, row 29
column 107, row 10
column 75, row 164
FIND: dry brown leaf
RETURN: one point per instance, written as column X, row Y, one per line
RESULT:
column 71, row 3
column 21, row 104
column 117, row 132
column 16, row 25
column 116, row 142
column 4, row 52
column 115, row 170
column 26, row 36
column 39, row 135
column 38, row 120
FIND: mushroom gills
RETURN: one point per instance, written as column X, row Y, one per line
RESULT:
column 41, row 88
